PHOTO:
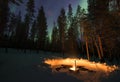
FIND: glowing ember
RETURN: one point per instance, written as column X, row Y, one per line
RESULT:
column 81, row 63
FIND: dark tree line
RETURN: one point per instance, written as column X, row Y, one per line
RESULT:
column 101, row 29
column 92, row 34
column 30, row 33
column 67, row 33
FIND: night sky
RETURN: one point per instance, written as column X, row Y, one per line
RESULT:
column 52, row 8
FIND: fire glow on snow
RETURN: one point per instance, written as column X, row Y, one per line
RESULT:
column 81, row 69
column 74, row 63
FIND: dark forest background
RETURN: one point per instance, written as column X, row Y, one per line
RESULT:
column 95, row 33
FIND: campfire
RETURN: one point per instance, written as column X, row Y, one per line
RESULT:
column 81, row 69
column 75, row 64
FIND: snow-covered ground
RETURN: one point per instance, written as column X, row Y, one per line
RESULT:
column 16, row 66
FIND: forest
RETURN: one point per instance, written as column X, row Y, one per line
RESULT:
column 91, row 33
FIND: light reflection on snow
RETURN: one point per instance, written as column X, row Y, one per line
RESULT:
column 82, row 69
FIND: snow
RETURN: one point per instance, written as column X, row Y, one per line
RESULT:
column 16, row 66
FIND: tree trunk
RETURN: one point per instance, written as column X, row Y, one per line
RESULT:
column 110, row 55
column 62, row 43
column 98, row 50
column 93, row 51
column 100, row 44
column 87, row 48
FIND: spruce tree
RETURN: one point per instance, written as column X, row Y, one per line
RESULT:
column 42, row 28
column 18, row 31
column 101, row 22
column 4, row 13
column 33, row 31
column 29, row 17
column 69, row 15
column 62, row 25
column 12, row 25
column 55, row 38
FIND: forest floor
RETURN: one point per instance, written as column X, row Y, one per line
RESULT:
column 16, row 66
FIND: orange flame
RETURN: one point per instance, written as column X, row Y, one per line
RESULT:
column 81, row 62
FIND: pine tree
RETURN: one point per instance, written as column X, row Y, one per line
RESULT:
column 33, row 31
column 29, row 17
column 4, row 13
column 42, row 28
column 4, row 20
column 30, row 9
column 12, row 25
column 69, row 15
column 72, row 39
column 26, row 27
column 80, row 15
column 55, row 38
column 62, row 29
column 18, row 31
column 102, row 23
